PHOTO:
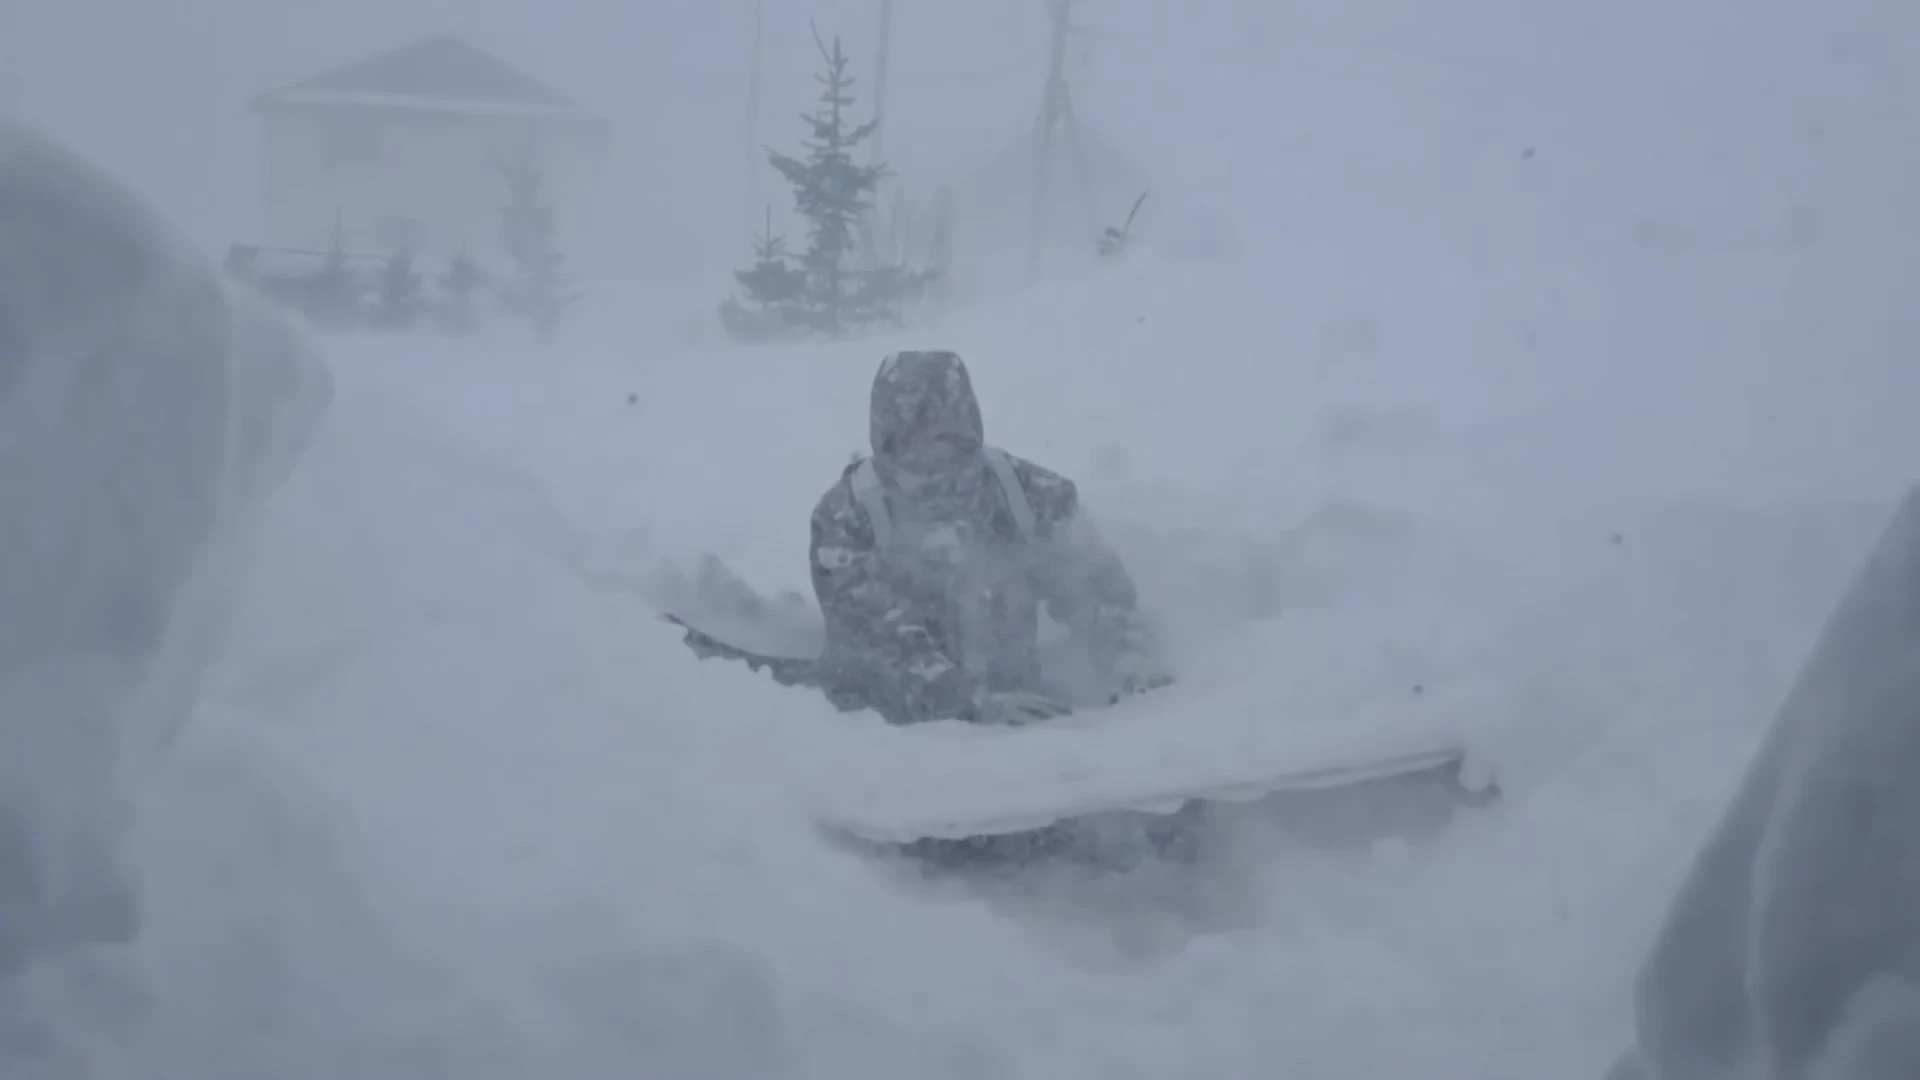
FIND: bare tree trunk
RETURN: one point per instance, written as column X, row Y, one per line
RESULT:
column 1052, row 112
column 880, row 82
column 755, row 163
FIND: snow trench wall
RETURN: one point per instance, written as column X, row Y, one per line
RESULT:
column 146, row 408
column 1792, row 940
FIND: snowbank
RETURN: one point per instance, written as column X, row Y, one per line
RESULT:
column 551, row 803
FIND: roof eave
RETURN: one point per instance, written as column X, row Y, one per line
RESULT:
column 280, row 99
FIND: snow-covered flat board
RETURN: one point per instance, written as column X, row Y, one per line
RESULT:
column 1151, row 753
column 787, row 635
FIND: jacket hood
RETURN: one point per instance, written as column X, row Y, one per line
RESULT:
column 921, row 395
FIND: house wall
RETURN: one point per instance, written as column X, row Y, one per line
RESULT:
column 431, row 181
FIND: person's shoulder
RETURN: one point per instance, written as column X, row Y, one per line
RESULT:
column 1053, row 495
column 838, row 505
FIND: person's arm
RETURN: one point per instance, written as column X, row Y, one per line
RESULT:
column 881, row 641
column 1084, row 583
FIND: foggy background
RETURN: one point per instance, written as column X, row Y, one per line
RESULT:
column 1307, row 129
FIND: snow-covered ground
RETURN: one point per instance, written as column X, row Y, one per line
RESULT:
column 458, row 804
column 1579, row 341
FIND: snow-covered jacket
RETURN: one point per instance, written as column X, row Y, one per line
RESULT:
column 931, row 585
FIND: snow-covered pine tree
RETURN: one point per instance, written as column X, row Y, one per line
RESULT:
column 333, row 293
column 400, row 299
column 540, row 290
column 835, row 194
column 458, row 282
column 771, row 286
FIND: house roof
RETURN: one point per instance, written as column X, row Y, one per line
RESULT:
column 437, row 72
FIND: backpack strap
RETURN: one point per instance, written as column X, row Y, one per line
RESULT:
column 872, row 496
column 1017, row 502
column 873, row 499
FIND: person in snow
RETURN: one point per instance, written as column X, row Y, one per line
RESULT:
column 1792, row 949
column 932, row 559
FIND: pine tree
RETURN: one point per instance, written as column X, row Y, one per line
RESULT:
column 771, row 281
column 528, row 234
column 333, row 295
column 772, row 285
column 835, row 194
column 458, row 282
column 399, row 301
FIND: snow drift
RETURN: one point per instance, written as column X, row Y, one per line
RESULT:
column 145, row 411
column 1789, row 947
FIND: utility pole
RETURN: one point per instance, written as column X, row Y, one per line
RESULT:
column 755, row 163
column 880, row 82
column 1055, row 108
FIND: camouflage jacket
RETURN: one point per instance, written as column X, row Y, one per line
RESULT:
column 894, row 639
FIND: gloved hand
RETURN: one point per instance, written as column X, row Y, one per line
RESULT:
column 1014, row 708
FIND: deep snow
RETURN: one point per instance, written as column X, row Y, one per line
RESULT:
column 1586, row 341
column 458, row 804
